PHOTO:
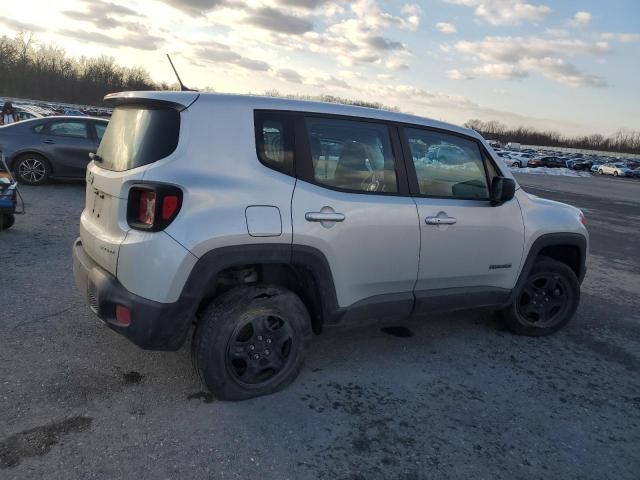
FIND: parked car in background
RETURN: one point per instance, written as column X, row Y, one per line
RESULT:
column 49, row 147
column 581, row 164
column 512, row 162
column 72, row 112
column 513, row 146
column 552, row 162
column 26, row 112
column 615, row 169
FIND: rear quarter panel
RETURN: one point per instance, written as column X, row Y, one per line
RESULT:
column 220, row 175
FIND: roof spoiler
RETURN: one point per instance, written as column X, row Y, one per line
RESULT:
column 178, row 100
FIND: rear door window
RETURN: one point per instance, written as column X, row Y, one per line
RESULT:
column 74, row 129
column 139, row 135
column 352, row 155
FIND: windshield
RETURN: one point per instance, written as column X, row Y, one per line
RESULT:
column 138, row 135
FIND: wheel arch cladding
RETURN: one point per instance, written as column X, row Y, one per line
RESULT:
column 312, row 278
column 567, row 248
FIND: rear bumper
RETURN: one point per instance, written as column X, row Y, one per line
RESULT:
column 154, row 325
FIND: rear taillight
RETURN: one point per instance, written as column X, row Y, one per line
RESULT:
column 147, row 207
column 153, row 207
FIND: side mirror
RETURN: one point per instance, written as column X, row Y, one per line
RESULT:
column 502, row 190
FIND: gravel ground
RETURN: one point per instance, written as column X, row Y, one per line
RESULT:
column 455, row 397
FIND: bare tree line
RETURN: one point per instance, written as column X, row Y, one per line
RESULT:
column 623, row 141
column 29, row 69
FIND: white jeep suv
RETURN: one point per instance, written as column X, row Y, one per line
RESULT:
column 259, row 221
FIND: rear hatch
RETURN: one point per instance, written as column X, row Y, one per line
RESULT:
column 143, row 129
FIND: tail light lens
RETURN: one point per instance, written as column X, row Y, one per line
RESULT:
column 153, row 207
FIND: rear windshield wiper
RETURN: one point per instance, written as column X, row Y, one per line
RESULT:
column 95, row 157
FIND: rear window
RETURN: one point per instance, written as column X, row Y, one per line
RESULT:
column 139, row 135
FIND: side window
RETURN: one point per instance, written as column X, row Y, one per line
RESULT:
column 100, row 128
column 352, row 155
column 274, row 141
column 447, row 165
column 69, row 129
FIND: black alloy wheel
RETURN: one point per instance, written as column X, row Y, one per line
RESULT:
column 544, row 300
column 259, row 349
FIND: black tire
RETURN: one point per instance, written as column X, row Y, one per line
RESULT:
column 517, row 164
column 248, row 322
column 615, row 173
column 6, row 221
column 546, row 302
column 32, row 169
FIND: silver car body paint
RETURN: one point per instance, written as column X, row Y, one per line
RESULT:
column 375, row 250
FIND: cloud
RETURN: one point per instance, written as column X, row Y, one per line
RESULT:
column 307, row 4
column 621, row 37
column 512, row 49
column 563, row 72
column 458, row 75
column 378, row 42
column 505, row 12
column 219, row 53
column 361, row 36
column 277, row 21
column 289, row 75
column 517, row 57
column 194, row 7
column 103, row 15
column 581, row 19
column 20, row 26
column 502, row 71
column 141, row 41
column 446, row 27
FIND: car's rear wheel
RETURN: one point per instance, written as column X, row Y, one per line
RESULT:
column 547, row 300
column 615, row 173
column 600, row 172
column 251, row 342
column 6, row 221
column 32, row 169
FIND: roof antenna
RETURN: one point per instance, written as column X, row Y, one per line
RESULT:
column 183, row 88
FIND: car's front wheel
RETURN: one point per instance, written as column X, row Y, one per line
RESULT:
column 32, row 169
column 615, row 173
column 251, row 342
column 600, row 172
column 547, row 300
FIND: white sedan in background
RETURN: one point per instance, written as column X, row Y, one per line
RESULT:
column 615, row 169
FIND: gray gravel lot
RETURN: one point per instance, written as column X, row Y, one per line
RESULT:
column 461, row 398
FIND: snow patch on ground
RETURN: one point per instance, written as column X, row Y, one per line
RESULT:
column 559, row 172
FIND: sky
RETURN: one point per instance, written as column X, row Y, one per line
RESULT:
column 565, row 65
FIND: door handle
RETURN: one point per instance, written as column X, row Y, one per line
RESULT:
column 324, row 217
column 50, row 142
column 440, row 219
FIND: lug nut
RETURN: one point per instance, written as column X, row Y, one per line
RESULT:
column 256, row 356
column 267, row 352
column 251, row 347
column 259, row 337
column 268, row 340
